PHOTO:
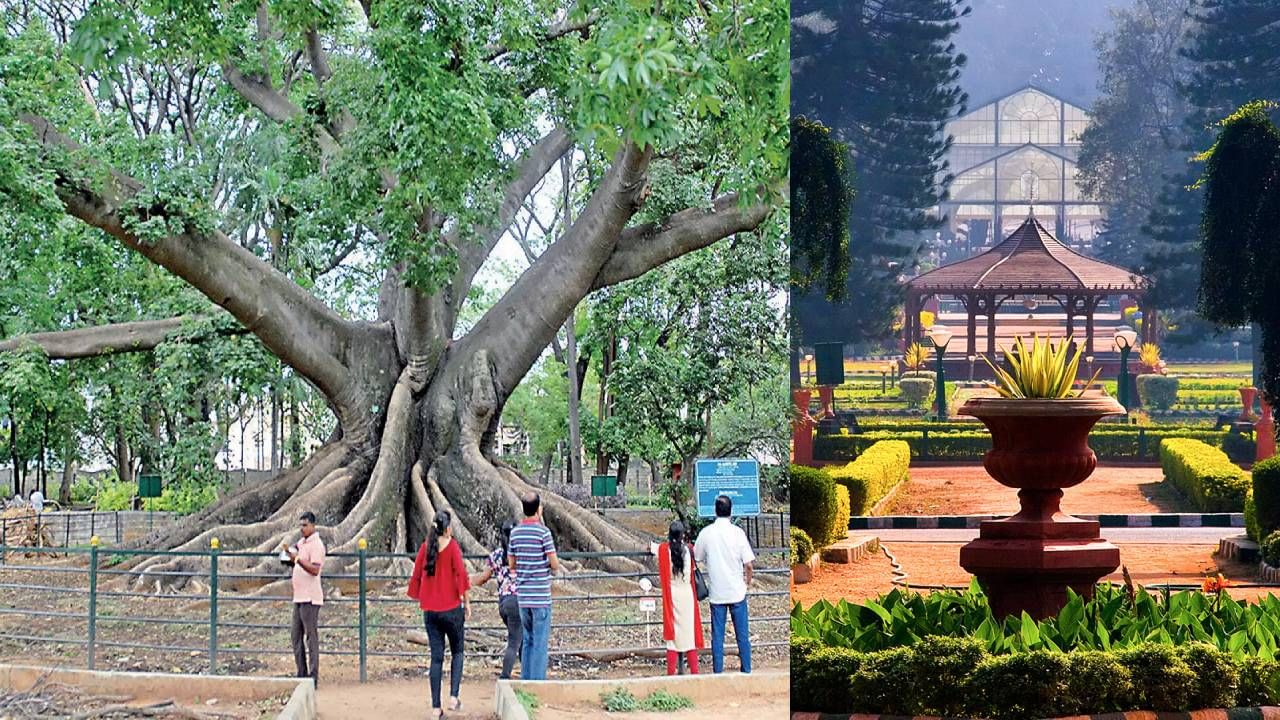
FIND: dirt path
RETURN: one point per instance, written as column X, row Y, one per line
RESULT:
column 753, row 706
column 939, row 564
column 401, row 700
column 968, row 490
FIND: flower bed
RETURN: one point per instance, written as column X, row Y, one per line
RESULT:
column 944, row 654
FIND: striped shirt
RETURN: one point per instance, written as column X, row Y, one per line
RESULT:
column 531, row 545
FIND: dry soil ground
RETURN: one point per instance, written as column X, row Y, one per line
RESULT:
column 968, row 490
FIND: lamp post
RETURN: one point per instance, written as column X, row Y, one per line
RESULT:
column 1235, row 345
column 1089, row 359
column 1124, row 341
column 939, row 335
column 808, row 364
column 884, row 376
column 971, row 359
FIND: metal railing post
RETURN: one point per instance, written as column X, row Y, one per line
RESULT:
column 213, row 606
column 363, row 546
column 4, row 539
column 93, row 600
column 1142, row 443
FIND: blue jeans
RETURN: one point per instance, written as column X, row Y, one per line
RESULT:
column 536, row 625
column 738, row 611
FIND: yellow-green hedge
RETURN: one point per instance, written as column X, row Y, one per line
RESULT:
column 819, row 506
column 876, row 471
column 1205, row 474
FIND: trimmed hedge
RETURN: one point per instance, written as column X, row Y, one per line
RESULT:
column 1158, row 392
column 1271, row 549
column 957, row 677
column 1109, row 444
column 876, row 471
column 1266, row 495
column 1204, row 474
column 915, row 390
column 801, row 546
column 1251, row 519
column 817, row 503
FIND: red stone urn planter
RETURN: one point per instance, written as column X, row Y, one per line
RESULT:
column 1247, row 397
column 1266, row 433
column 1039, row 446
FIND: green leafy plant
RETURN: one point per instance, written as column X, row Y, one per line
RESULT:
column 663, row 701
column 916, row 357
column 915, row 390
column 819, row 506
column 1157, row 391
column 801, row 546
column 619, row 699
column 1040, row 371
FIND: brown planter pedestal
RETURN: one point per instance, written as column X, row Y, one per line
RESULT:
column 1027, row 561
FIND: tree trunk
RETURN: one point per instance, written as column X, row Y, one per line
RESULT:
column 655, row 475
column 124, row 458
column 544, row 477
column 575, row 405
column 624, row 462
column 275, row 429
column 68, row 477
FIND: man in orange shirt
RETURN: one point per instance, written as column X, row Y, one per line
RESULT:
column 308, row 596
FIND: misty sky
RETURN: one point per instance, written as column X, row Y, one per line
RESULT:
column 1046, row 42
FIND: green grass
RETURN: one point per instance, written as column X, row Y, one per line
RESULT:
column 1243, row 368
column 621, row 700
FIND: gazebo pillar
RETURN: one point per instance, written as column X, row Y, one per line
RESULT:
column 911, row 322
column 971, row 304
column 1090, row 308
column 991, row 327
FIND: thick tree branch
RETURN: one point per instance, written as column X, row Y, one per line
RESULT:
column 273, row 104
column 556, row 31
column 516, row 329
column 536, row 163
column 289, row 321
column 137, row 336
column 644, row 247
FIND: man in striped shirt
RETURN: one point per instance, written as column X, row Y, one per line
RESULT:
column 533, row 558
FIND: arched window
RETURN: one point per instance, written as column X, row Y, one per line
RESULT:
column 1030, row 117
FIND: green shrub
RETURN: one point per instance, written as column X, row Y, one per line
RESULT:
column 1217, row 677
column 114, row 495
column 1258, row 679
column 1023, row 685
column 915, row 390
column 619, row 699
column 885, row 683
column 940, row 667
column 1271, row 549
column 1158, row 392
column 1204, row 474
column 1240, row 447
column 823, row 676
column 815, row 505
column 876, row 471
column 1096, row 683
column 83, row 490
column 1161, row 680
column 663, row 701
column 801, row 546
column 1266, row 495
column 1251, row 519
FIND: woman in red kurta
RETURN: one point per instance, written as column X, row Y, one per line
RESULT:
column 681, row 619
column 440, row 583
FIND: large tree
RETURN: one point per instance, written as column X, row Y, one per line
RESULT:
column 1134, row 140
column 245, row 146
column 883, row 75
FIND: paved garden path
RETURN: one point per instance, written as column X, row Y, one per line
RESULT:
column 968, row 490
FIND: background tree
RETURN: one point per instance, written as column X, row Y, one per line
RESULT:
column 1240, row 229
column 403, row 138
column 882, row 74
column 1134, row 140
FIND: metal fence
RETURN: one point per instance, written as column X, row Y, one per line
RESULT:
column 767, row 530
column 69, row 596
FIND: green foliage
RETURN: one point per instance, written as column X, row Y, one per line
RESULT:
column 821, row 189
column 664, row 701
column 1204, row 474
column 819, row 506
column 619, row 699
column 801, row 546
column 1240, row 447
column 1158, row 392
column 821, row 675
column 1024, row 685
column 528, row 701
column 1252, row 530
column 1266, row 495
column 956, row 441
column 877, row 470
column 1271, row 547
column 915, row 390
column 114, row 495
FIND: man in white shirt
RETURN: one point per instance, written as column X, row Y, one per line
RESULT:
column 725, row 556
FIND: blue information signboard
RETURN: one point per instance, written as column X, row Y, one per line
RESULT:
column 739, row 479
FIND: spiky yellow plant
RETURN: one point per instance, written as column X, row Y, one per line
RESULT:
column 1040, row 371
column 916, row 356
column 1149, row 357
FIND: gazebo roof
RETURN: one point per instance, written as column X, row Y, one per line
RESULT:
column 1031, row 259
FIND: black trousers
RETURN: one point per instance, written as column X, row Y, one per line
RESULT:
column 509, row 611
column 306, row 624
column 441, row 625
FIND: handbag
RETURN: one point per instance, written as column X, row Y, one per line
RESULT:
column 700, row 589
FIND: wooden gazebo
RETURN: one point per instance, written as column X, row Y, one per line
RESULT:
column 1030, row 262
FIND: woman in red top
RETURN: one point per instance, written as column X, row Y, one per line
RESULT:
column 439, row 583
column 681, row 619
